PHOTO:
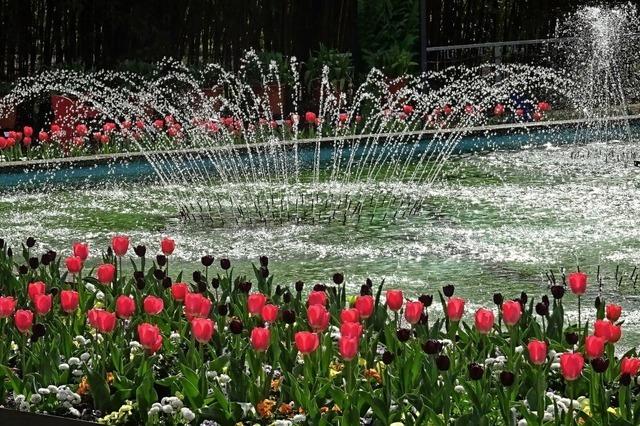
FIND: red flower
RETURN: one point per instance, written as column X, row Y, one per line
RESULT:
column 317, row 298
column 81, row 130
column 613, row 312
column 33, row 289
column 364, row 305
column 255, row 302
column 571, row 365
column 455, row 308
column 318, row 317
column 269, row 313
column 7, row 306
column 498, row 110
column 511, row 312
column 125, row 307
column 69, row 300
column 594, row 346
column 158, row 124
column 106, row 273
column 153, row 305
column 577, row 283
column 394, row 299
column 120, row 245
column 615, row 333
column 196, row 305
column 74, row 264
column 537, row 351
column 343, row 117
column 413, row 312
column 484, row 319
column 629, row 366
column 544, row 106
column 167, row 245
column 202, row 329
column 27, row 130
column 43, row 136
column 260, row 339
column 310, row 117
column 42, row 303
column 348, row 347
column 306, row 342
column 349, row 315
column 351, row 329
column 101, row 320
column 602, row 329
column 23, row 320
column 407, row 109
column 81, row 250
column 179, row 291
column 150, row 337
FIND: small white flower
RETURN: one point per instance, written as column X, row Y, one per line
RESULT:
column 90, row 287
column 299, row 418
column 36, row 398
column 77, row 373
column 80, row 340
column 459, row 389
column 187, row 414
column 52, row 388
column 153, row 411
column 85, row 357
column 100, row 295
column 167, row 409
column 63, row 366
column 223, row 379
column 175, row 337
column 211, row 374
column 73, row 361
column 74, row 412
column 555, row 366
column 24, row 406
column 176, row 403
column 44, row 391
column 20, row 399
column 522, row 422
column 519, row 350
column 547, row 416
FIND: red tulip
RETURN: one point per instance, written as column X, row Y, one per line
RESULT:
column 594, row 346
column 120, row 245
column 602, row 329
column 484, row 319
column 23, row 320
column 55, row 128
column 81, row 250
column 318, row 317
column 42, row 303
column 74, row 264
column 351, row 329
column 544, row 106
column 306, row 342
column 153, row 305
column 125, row 306
column 167, row 245
column 519, row 112
column 196, row 305
column 577, row 283
column 511, row 312
column 158, row 124
column 571, row 365
column 317, row 298
column 7, row 306
column 69, row 300
column 498, row 110
column 269, row 313
column 407, row 109
column 394, row 299
column 615, row 333
column 613, row 312
column 310, row 117
column 348, row 347
column 260, row 338
column 365, row 305
column 349, row 315
column 27, row 131
column 179, row 291
column 43, row 136
column 150, row 337
column 33, row 289
column 629, row 366
column 413, row 312
column 101, row 320
column 537, row 116
column 455, row 308
column 81, row 130
column 255, row 302
column 202, row 329
column 537, row 351
column 26, row 142
column 343, row 117
column 106, row 273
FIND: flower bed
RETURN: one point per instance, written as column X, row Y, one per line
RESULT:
column 156, row 347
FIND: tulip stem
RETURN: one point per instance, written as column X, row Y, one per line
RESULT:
column 579, row 309
column 569, row 419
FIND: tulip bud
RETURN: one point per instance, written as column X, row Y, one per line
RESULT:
column 286, row 297
column 403, row 334
column 206, row 260
column 542, row 309
column 600, row 364
column 557, row 291
column 31, row 242
column 223, row 310
column 432, row 347
column 264, row 261
column 448, row 290
column 475, row 371
column 288, row 316
column 215, row 283
column 426, row 299
column 338, row 278
column 625, row 380
column 236, row 326
column 387, row 357
column 365, row 291
column 507, row 378
column 202, row 286
column 225, row 263
column 443, row 362
column 498, row 299
column 34, row 263
column 299, row 286
column 23, row 270
column 161, row 260
column 158, row 274
column 320, row 287
column 245, row 287
column 571, row 338
column 166, row 282
column 140, row 250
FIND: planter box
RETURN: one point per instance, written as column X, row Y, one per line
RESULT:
column 19, row 418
